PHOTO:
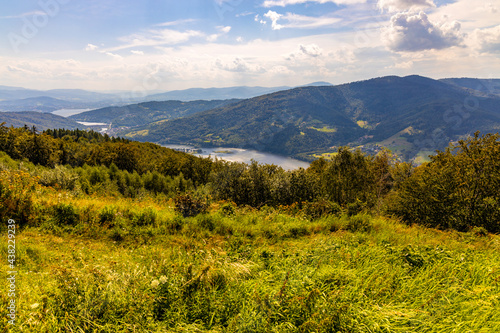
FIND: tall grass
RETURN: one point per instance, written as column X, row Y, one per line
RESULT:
column 106, row 264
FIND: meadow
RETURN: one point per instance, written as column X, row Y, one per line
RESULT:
column 107, row 264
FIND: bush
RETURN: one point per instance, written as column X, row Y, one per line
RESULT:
column 145, row 217
column 65, row 214
column 107, row 215
column 317, row 209
column 59, row 176
column 228, row 209
column 16, row 190
column 360, row 222
column 188, row 205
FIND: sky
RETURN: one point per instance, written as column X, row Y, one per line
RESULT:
column 165, row 45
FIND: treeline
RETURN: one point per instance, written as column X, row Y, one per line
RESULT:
column 457, row 189
column 77, row 148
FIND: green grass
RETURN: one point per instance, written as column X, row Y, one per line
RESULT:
column 324, row 129
column 139, row 266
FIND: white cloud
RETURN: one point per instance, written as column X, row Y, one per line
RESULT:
column 239, row 39
column 115, row 56
column 283, row 3
column 157, row 37
column 299, row 21
column 91, row 47
column 175, row 23
column 274, row 17
column 411, row 32
column 311, row 50
column 137, row 52
column 212, row 38
column 401, row 5
column 224, row 30
column 487, row 40
column 238, row 65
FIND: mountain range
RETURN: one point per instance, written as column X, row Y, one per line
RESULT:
column 21, row 99
column 41, row 121
column 147, row 112
column 411, row 115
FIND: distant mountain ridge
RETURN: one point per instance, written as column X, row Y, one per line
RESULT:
column 410, row 114
column 41, row 121
column 148, row 112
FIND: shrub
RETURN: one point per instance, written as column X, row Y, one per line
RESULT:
column 317, row 209
column 64, row 214
column 145, row 217
column 360, row 222
column 59, row 176
column 228, row 209
column 188, row 205
column 16, row 190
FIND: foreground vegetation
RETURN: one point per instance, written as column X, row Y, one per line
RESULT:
column 118, row 236
column 101, row 265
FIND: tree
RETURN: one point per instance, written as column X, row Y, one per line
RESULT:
column 457, row 189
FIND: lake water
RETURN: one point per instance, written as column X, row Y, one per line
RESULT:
column 69, row 112
column 246, row 155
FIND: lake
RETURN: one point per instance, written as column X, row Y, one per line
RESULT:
column 246, row 155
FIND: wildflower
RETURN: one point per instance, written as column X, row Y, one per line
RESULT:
column 155, row 283
column 163, row 279
column 34, row 305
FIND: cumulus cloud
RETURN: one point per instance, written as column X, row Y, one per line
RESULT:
column 401, row 5
column 91, row 47
column 137, row 52
column 238, row 65
column 488, row 40
column 411, row 32
column 311, row 50
column 274, row 17
column 283, row 3
column 304, row 53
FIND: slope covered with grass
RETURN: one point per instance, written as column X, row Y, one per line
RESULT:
column 98, row 264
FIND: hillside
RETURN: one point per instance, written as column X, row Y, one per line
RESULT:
column 39, row 104
column 41, row 121
column 145, row 113
column 193, row 94
column 414, row 113
column 478, row 86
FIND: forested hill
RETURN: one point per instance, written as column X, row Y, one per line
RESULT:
column 41, row 121
column 145, row 113
column 409, row 114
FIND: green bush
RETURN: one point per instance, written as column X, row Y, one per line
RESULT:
column 360, row 222
column 145, row 217
column 65, row 215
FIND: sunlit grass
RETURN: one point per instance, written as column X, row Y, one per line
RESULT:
column 250, row 270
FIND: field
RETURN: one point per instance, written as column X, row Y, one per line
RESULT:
column 137, row 265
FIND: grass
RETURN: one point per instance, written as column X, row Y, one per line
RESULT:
column 137, row 265
column 137, row 133
column 324, row 129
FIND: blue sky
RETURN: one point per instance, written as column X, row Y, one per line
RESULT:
column 167, row 45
